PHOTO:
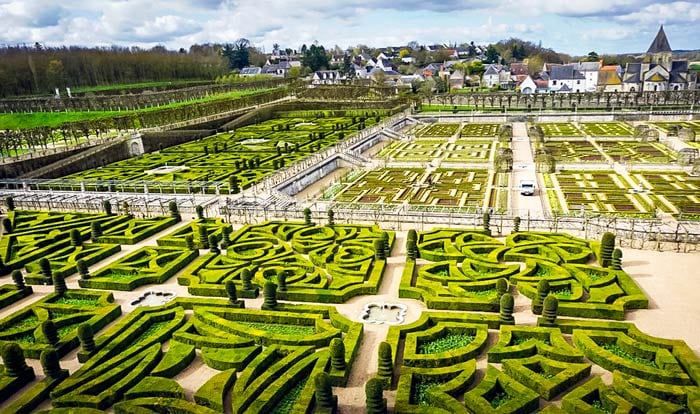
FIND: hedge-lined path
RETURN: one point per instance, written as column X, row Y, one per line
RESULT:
column 524, row 169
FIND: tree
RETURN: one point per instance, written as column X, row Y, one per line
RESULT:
column 347, row 69
column 315, row 58
column 238, row 53
column 592, row 56
column 294, row 73
column 54, row 74
column 379, row 77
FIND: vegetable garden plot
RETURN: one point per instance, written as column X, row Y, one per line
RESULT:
column 574, row 151
column 439, row 130
column 562, row 129
column 443, row 187
column 480, row 130
column 606, row 129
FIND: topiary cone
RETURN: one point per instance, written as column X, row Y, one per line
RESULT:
column 324, row 392
column 385, row 244
column 203, row 237
column 231, row 291
column 86, row 337
column 501, row 286
column 200, row 212
column 374, row 397
column 607, row 245
column 542, row 292
column 45, row 267
column 282, row 281
column 616, row 259
column 18, row 279
column 337, row 349
column 307, row 216
column 516, row 224
column 95, row 230
column 270, row 296
column 214, row 244
column 379, row 250
column 507, row 304
column 59, row 284
column 50, row 364
column 48, row 328
column 549, row 312
column 13, row 358
column 385, row 367
column 82, row 269
column 189, row 241
column 245, row 279
column 6, row 225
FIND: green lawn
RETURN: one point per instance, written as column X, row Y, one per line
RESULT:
column 102, row 88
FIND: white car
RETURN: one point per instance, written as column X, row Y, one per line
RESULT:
column 527, row 187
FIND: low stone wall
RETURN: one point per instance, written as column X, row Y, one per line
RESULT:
column 155, row 141
column 19, row 168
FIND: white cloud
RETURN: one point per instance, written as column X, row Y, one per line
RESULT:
column 676, row 12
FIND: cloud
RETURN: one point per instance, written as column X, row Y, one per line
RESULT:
column 670, row 13
column 31, row 14
column 164, row 28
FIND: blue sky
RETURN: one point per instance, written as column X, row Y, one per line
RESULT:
column 569, row 26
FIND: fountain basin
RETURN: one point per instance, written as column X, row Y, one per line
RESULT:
column 384, row 313
column 153, row 298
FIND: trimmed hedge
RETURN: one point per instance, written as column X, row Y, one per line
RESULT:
column 213, row 393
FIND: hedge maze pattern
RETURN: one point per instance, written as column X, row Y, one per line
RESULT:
column 264, row 359
column 531, row 366
column 459, row 270
column 327, row 264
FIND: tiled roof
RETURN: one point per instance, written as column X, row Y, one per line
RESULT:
column 660, row 43
column 609, row 77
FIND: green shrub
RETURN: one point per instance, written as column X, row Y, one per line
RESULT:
column 270, row 296
column 13, row 358
column 379, row 250
column 213, row 393
column 549, row 312
column 10, row 203
column 189, row 240
column 200, row 212
column 337, row 350
column 231, row 291
column 374, row 397
column 45, row 267
column 214, row 244
column 7, row 225
column 174, row 213
column 203, row 236
column 50, row 364
column 282, row 281
column 82, row 268
column 385, row 369
column 486, row 218
column 48, row 329
column 516, row 224
column 543, row 290
column 386, row 244
column 95, row 230
column 617, row 259
column 507, row 304
column 331, row 216
column 107, row 207
column 59, row 284
column 307, row 216
column 87, row 338
column 246, row 278
column 501, row 286
column 18, row 279
column 325, row 400
column 607, row 246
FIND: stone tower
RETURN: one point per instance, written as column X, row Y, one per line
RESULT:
column 660, row 51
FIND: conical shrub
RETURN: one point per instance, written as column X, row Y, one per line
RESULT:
column 324, row 392
column 507, row 303
column 86, row 337
column 549, row 312
column 374, row 397
column 48, row 328
column 18, row 279
column 231, row 291
column 50, row 364
column 542, row 292
column 617, row 259
column 270, row 296
column 337, row 349
column 246, row 277
column 13, row 359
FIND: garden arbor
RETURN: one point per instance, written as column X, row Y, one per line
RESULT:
column 505, row 133
column 536, row 132
column 686, row 135
column 687, row 156
column 644, row 133
column 503, row 162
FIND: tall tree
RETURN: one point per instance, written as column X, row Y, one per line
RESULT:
column 315, row 58
column 237, row 53
column 492, row 54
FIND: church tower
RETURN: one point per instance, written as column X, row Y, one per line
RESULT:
column 660, row 51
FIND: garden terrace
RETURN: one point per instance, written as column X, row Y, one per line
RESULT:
column 561, row 129
column 247, row 155
column 667, row 126
column 638, row 152
column 670, row 192
column 480, row 130
column 459, row 271
column 423, row 150
column 574, row 151
column 442, row 187
column 438, row 130
column 327, row 264
column 606, row 129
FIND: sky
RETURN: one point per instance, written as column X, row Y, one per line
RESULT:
column 575, row 27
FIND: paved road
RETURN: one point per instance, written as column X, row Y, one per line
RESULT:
column 524, row 169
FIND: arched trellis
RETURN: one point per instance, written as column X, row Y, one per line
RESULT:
column 536, row 132
column 686, row 134
column 545, row 162
column 645, row 133
column 687, row 156
column 505, row 134
column 503, row 162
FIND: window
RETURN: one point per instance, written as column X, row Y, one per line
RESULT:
column 554, row 82
column 578, row 82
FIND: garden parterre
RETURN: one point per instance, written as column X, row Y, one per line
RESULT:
column 267, row 360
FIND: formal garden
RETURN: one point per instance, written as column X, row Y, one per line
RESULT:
column 229, row 161
column 255, row 323
column 638, row 194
